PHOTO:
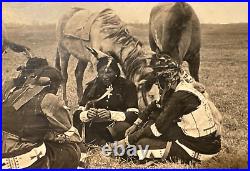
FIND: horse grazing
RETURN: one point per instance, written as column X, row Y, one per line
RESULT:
column 103, row 31
column 174, row 30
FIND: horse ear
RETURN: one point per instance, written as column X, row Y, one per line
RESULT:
column 92, row 50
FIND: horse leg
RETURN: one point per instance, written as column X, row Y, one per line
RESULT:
column 79, row 71
column 57, row 61
column 152, row 43
column 194, row 65
column 64, row 60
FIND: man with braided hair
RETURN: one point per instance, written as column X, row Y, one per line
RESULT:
column 109, row 105
column 180, row 126
column 37, row 128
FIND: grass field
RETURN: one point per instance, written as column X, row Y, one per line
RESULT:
column 224, row 72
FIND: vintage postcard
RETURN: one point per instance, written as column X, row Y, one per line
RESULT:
column 124, row 85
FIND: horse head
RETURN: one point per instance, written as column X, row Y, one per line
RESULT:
column 98, row 54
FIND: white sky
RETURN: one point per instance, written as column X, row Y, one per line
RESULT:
column 41, row 12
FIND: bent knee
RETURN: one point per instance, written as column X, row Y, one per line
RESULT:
column 144, row 142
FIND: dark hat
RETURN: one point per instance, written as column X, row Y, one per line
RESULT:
column 33, row 64
column 108, row 62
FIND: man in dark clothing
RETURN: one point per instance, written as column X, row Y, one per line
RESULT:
column 109, row 105
column 37, row 128
column 178, row 127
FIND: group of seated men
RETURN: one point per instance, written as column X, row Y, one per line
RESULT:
column 39, row 131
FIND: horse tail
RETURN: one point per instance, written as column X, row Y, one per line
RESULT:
column 183, row 10
column 181, row 15
column 57, row 60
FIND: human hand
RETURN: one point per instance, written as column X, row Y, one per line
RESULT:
column 92, row 112
column 104, row 114
column 130, row 130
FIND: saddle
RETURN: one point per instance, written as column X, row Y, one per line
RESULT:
column 79, row 25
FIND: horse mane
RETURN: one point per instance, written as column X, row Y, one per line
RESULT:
column 181, row 14
column 116, row 30
column 134, row 62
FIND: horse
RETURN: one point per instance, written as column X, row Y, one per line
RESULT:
column 174, row 30
column 104, row 31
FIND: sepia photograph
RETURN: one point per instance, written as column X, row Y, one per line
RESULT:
column 124, row 85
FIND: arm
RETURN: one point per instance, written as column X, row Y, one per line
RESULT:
column 171, row 112
column 149, row 109
column 60, row 120
column 131, row 103
column 143, row 117
column 81, row 112
column 56, row 112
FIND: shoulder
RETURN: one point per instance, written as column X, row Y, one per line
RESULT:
column 181, row 93
column 90, row 83
column 185, row 97
column 125, row 83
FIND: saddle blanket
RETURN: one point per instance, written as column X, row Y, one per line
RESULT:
column 79, row 25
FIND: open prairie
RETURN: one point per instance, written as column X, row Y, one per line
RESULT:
column 224, row 72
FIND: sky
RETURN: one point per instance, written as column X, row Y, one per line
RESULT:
column 130, row 12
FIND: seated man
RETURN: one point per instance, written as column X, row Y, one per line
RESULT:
column 181, row 126
column 37, row 128
column 109, row 105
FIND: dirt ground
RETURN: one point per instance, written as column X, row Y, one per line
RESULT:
column 224, row 72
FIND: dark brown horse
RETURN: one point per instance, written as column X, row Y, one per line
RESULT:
column 103, row 31
column 174, row 30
